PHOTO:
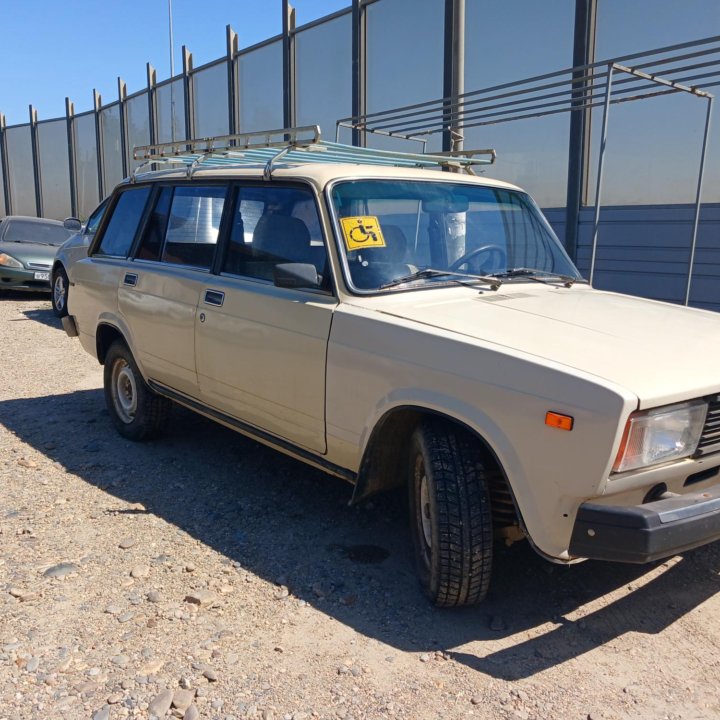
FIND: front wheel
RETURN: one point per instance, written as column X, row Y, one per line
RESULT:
column 136, row 411
column 450, row 515
column 60, row 288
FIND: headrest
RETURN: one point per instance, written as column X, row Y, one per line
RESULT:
column 281, row 235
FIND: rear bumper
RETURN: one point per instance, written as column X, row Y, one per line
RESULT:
column 643, row 533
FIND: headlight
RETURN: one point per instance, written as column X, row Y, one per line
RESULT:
column 8, row 261
column 659, row 435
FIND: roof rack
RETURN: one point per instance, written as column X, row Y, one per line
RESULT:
column 299, row 145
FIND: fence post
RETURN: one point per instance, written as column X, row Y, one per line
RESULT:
column 35, row 147
column 4, row 166
column 72, row 166
column 601, row 166
column 454, row 74
column 152, row 103
column 233, row 89
column 359, row 67
column 188, row 88
column 580, row 120
column 698, row 199
column 122, row 99
column 288, row 48
column 97, row 103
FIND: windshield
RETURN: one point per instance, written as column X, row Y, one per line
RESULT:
column 41, row 233
column 399, row 234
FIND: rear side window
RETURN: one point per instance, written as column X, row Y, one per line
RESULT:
column 193, row 226
column 122, row 226
column 184, row 226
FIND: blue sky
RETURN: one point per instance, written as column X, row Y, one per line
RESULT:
column 51, row 48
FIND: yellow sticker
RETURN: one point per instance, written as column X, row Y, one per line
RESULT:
column 361, row 232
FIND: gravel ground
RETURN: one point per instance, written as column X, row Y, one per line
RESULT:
column 205, row 576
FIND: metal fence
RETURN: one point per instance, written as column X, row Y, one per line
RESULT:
column 373, row 55
column 65, row 166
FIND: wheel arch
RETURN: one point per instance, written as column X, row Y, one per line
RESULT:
column 105, row 335
column 383, row 464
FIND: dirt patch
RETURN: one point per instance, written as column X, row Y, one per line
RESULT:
column 206, row 576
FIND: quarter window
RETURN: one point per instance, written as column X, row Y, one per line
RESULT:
column 95, row 218
column 122, row 227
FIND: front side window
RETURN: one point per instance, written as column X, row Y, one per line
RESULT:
column 122, row 227
column 275, row 225
column 397, row 233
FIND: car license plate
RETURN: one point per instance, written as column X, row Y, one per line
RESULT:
column 42, row 275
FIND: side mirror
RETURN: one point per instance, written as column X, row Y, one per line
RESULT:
column 72, row 224
column 296, row 275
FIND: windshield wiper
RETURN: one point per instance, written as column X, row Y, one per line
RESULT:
column 28, row 242
column 543, row 276
column 494, row 282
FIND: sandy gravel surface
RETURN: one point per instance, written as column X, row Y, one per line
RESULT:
column 205, row 576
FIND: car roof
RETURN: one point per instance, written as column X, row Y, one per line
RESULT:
column 46, row 221
column 320, row 174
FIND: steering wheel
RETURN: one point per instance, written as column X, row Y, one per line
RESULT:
column 495, row 251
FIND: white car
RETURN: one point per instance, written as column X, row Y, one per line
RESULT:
column 396, row 325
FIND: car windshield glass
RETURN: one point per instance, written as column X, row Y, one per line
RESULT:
column 27, row 231
column 392, row 229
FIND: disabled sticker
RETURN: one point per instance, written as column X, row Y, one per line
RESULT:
column 361, row 232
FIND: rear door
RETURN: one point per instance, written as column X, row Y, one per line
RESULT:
column 159, row 292
column 261, row 349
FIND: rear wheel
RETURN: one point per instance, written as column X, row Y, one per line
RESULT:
column 60, row 288
column 450, row 515
column 136, row 411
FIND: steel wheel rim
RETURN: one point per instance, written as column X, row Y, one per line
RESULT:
column 124, row 389
column 424, row 511
column 59, row 292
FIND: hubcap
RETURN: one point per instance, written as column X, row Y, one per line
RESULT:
column 124, row 391
column 59, row 292
column 424, row 509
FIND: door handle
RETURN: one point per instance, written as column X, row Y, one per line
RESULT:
column 130, row 279
column 214, row 297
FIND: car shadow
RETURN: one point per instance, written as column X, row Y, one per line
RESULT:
column 290, row 524
column 29, row 295
column 46, row 316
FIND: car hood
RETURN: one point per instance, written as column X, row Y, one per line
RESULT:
column 662, row 353
column 30, row 252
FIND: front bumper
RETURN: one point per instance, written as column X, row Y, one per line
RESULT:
column 647, row 532
column 21, row 279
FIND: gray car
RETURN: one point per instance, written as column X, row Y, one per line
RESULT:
column 27, row 250
column 72, row 250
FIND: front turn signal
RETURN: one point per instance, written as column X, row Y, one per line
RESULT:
column 559, row 421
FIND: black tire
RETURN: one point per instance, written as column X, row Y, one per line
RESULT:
column 59, row 291
column 136, row 411
column 450, row 518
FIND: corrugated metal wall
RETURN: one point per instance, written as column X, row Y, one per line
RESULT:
column 645, row 250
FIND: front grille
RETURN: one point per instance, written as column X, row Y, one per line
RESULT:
column 710, row 438
column 38, row 266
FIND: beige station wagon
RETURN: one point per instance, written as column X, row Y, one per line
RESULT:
column 396, row 325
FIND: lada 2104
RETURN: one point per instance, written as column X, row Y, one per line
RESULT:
column 397, row 325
